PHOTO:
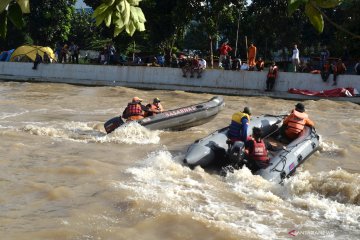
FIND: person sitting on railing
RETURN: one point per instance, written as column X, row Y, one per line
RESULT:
column 260, row 64
column 271, row 77
column 338, row 68
column 38, row 60
column 46, row 58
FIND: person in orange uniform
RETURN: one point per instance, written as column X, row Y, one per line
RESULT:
column 134, row 110
column 252, row 57
column 295, row 122
column 155, row 107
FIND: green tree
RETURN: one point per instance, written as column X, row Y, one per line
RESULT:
column 209, row 14
column 83, row 30
column 49, row 20
column 12, row 10
column 275, row 28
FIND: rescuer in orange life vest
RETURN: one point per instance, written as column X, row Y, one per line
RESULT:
column 134, row 110
column 295, row 122
column 256, row 151
column 155, row 107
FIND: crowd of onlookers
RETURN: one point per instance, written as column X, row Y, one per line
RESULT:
column 194, row 64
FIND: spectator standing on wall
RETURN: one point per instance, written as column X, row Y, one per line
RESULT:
column 346, row 55
column 202, row 66
column 74, row 51
column 58, row 52
column 111, row 53
column 102, row 56
column 252, row 56
column 357, row 67
column 63, row 54
column 295, row 58
column 324, row 56
column 224, row 52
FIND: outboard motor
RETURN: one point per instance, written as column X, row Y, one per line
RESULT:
column 236, row 154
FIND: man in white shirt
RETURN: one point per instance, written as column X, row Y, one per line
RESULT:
column 295, row 58
column 202, row 66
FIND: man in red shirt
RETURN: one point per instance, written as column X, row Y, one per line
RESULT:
column 224, row 51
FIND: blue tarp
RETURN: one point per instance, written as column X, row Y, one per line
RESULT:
column 5, row 56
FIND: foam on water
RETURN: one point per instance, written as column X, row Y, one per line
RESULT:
column 242, row 202
column 132, row 133
column 5, row 115
column 86, row 132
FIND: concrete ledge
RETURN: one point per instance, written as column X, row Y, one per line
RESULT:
column 215, row 81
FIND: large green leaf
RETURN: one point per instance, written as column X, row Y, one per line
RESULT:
column 315, row 17
column 126, row 13
column 107, row 19
column 4, row 4
column 327, row 3
column 25, row 5
column 110, row 2
column 123, row 14
column 100, row 10
column 3, row 24
column 293, row 5
column 15, row 15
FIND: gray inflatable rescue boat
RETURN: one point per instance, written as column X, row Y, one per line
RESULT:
column 176, row 119
column 215, row 150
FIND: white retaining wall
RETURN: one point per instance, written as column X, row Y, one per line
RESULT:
column 212, row 80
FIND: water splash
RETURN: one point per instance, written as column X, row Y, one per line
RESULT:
column 242, row 202
column 132, row 133
column 86, row 132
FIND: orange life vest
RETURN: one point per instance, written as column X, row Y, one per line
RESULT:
column 134, row 112
column 296, row 123
column 156, row 109
column 259, row 152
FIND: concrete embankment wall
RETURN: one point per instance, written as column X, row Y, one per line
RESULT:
column 212, row 80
